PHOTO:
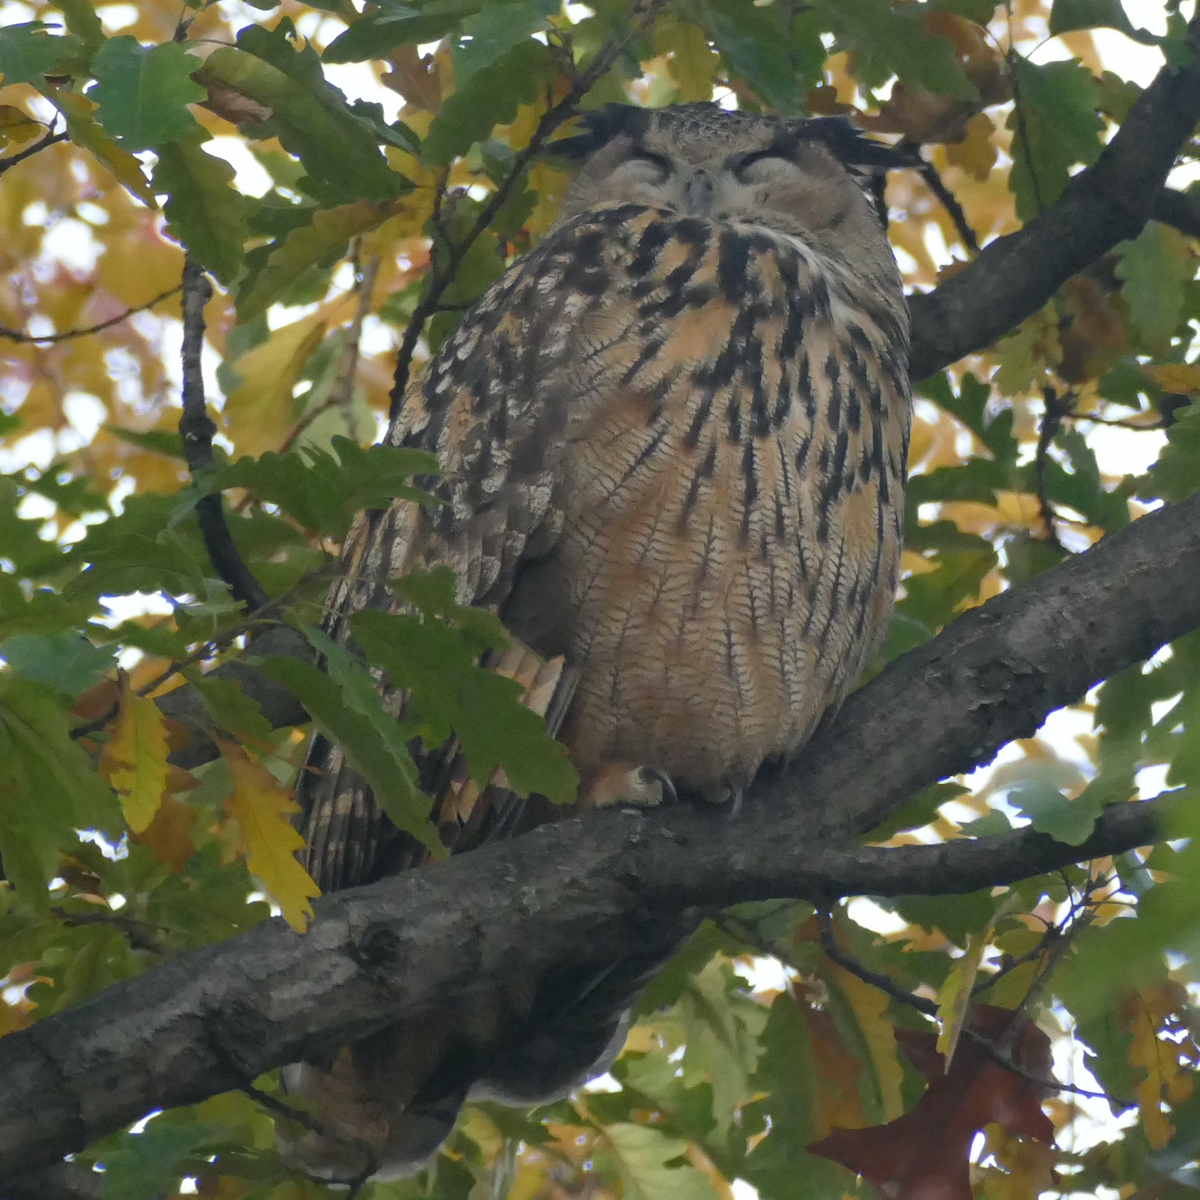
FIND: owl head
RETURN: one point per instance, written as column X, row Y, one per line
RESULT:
column 802, row 178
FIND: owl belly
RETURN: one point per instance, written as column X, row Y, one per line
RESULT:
column 715, row 600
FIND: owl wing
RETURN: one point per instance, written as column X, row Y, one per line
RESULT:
column 495, row 407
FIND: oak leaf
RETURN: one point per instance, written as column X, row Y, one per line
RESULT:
column 925, row 1154
column 136, row 759
column 261, row 807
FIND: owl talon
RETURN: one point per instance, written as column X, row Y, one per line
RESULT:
column 622, row 785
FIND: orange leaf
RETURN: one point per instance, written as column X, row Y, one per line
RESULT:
column 925, row 1154
column 169, row 835
column 261, row 807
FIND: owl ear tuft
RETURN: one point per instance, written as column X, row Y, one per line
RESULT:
column 597, row 128
column 852, row 147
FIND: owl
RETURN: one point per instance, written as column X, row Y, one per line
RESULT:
column 672, row 440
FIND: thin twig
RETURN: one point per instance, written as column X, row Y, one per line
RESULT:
column 1023, row 130
column 197, row 429
column 1118, row 422
column 1051, row 420
column 14, row 335
column 309, row 1122
column 141, row 935
column 341, row 392
column 49, row 140
column 937, row 185
column 439, row 278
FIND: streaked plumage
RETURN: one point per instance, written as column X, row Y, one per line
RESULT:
column 674, row 437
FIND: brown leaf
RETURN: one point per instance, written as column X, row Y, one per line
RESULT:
column 925, row 1154
column 169, row 836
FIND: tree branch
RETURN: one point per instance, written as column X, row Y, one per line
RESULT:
column 593, row 890
column 1180, row 210
column 50, row 139
column 1016, row 275
column 197, row 429
column 15, row 335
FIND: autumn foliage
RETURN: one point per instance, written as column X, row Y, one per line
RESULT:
column 350, row 179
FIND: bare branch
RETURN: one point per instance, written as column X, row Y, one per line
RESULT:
column 14, row 335
column 50, row 139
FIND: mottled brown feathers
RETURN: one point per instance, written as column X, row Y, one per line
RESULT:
column 673, row 439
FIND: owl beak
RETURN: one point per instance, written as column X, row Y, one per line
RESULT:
column 698, row 194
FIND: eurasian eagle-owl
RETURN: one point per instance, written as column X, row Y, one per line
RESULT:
column 673, row 441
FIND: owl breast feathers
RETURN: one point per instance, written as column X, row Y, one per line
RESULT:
column 673, row 442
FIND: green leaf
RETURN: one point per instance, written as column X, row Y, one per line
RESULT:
column 228, row 706
column 888, row 40
column 919, row 811
column 722, row 1028
column 397, row 23
column 1065, row 820
column 1154, row 268
column 1055, row 125
column 337, row 150
column 63, row 661
column 83, row 21
column 205, row 212
column 39, row 759
column 157, row 441
column 1176, row 474
column 1068, row 15
column 753, row 43
column 451, row 693
column 145, row 1165
column 324, row 493
column 143, row 92
column 490, row 97
column 779, row 1165
column 324, row 238
column 369, row 734
column 645, row 1161
column 28, row 53
column 492, row 33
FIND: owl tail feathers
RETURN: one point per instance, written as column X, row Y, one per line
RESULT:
column 356, row 1123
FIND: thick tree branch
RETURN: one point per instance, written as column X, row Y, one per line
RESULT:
column 1104, row 205
column 1178, row 209
column 592, row 890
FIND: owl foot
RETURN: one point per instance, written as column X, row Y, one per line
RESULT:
column 617, row 785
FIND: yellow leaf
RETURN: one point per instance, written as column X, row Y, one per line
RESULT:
column 16, row 126
column 692, row 62
column 976, row 154
column 259, row 412
column 261, row 807
column 870, row 1007
column 138, row 758
column 1144, row 1013
column 1029, row 1166
column 85, row 131
column 954, row 996
column 1183, row 378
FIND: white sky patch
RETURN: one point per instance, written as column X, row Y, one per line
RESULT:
column 251, row 176
column 1123, row 451
column 115, row 17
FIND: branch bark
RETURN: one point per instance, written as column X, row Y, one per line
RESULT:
column 1104, row 205
column 596, row 889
